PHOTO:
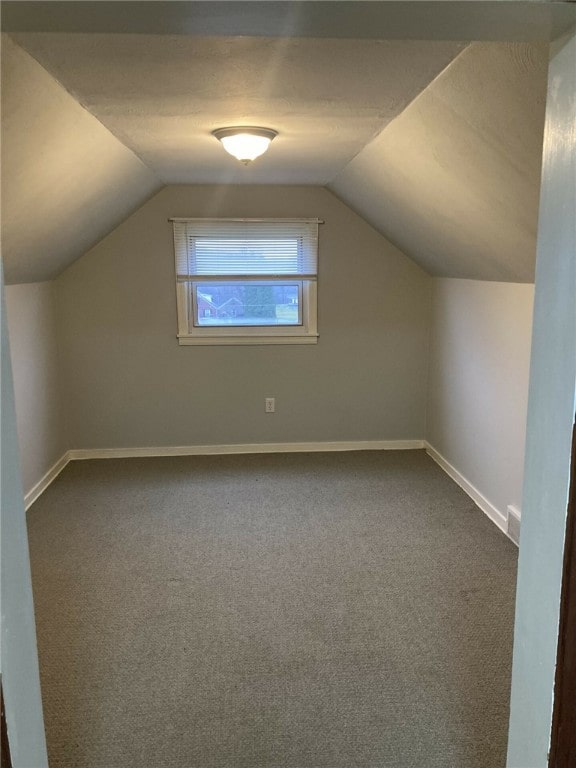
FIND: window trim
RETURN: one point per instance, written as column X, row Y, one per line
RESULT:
column 190, row 334
column 307, row 333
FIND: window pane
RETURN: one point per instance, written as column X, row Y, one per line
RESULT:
column 246, row 303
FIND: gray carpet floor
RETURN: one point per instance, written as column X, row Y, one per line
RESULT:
column 273, row 611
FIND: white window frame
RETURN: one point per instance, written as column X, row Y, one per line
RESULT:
column 190, row 334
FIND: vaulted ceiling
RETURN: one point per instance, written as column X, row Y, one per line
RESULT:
column 436, row 144
column 163, row 95
column 454, row 181
column 66, row 181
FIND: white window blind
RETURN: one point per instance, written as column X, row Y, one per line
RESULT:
column 217, row 249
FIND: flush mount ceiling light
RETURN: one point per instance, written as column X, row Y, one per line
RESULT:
column 246, row 143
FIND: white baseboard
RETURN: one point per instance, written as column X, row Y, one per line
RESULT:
column 497, row 517
column 481, row 501
column 38, row 489
column 209, row 450
column 513, row 523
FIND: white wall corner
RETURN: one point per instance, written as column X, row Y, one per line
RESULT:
column 38, row 489
column 498, row 517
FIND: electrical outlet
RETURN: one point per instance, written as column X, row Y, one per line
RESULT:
column 270, row 404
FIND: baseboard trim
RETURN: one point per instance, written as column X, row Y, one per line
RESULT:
column 210, row 450
column 38, row 489
column 76, row 454
column 513, row 523
column 497, row 517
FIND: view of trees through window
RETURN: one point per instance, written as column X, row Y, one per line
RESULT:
column 247, row 303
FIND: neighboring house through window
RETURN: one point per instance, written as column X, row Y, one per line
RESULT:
column 246, row 281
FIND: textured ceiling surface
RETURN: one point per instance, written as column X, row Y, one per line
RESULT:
column 66, row 181
column 454, row 181
column 437, row 144
column 353, row 19
column 163, row 95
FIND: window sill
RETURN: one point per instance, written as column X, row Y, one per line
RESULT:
column 186, row 341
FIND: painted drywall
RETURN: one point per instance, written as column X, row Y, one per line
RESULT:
column 163, row 95
column 550, row 419
column 478, row 383
column 128, row 383
column 19, row 662
column 469, row 143
column 33, row 345
column 409, row 20
column 454, row 180
column 66, row 180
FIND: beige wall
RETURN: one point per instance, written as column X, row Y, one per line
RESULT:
column 128, row 383
column 34, row 353
column 124, row 381
column 478, row 383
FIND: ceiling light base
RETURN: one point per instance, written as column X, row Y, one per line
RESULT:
column 245, row 143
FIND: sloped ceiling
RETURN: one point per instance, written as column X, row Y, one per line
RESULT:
column 531, row 21
column 454, row 181
column 66, row 180
column 438, row 145
column 163, row 95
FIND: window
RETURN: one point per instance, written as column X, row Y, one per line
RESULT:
column 246, row 281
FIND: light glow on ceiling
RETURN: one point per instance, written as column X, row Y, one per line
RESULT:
column 245, row 143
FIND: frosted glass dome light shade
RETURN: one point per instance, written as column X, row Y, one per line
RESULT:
column 245, row 143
